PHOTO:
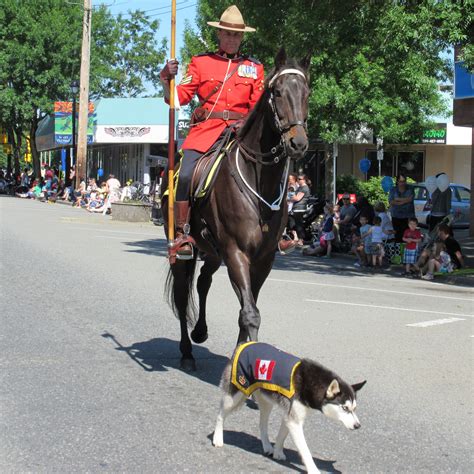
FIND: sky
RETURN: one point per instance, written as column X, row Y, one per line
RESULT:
column 160, row 10
column 185, row 10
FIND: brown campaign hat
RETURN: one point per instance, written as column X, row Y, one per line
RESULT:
column 231, row 20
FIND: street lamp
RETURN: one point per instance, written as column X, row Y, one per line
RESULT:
column 74, row 89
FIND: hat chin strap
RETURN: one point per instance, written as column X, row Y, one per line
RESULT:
column 285, row 71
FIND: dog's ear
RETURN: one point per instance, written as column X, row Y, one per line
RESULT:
column 333, row 389
column 357, row 386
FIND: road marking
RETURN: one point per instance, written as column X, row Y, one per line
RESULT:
column 371, row 289
column 435, row 322
column 411, row 310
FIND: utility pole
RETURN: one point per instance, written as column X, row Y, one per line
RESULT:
column 81, row 163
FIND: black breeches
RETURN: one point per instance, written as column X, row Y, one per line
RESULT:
column 188, row 163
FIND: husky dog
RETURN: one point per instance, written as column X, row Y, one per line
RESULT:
column 310, row 385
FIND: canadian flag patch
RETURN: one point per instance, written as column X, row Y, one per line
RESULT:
column 264, row 369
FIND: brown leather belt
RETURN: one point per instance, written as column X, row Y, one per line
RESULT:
column 201, row 114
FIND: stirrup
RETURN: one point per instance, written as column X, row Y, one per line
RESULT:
column 183, row 239
column 189, row 256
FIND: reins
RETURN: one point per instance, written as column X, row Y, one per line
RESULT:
column 277, row 152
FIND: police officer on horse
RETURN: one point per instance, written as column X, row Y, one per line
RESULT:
column 228, row 85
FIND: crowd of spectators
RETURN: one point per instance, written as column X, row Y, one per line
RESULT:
column 89, row 195
column 375, row 235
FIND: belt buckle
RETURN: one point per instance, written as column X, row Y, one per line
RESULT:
column 225, row 115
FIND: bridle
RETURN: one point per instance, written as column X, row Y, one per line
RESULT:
column 282, row 129
column 279, row 151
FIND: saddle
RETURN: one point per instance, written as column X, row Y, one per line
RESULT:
column 207, row 168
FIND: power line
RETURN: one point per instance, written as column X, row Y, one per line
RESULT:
column 169, row 11
column 155, row 9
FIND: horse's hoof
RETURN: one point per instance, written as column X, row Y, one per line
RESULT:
column 188, row 365
column 199, row 337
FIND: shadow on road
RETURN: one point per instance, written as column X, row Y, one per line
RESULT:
column 252, row 444
column 161, row 354
column 156, row 247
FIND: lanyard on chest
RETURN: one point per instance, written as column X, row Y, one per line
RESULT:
column 219, row 86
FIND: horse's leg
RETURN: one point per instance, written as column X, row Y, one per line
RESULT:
column 211, row 265
column 259, row 272
column 239, row 274
column 181, row 291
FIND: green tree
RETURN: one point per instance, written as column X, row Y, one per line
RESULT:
column 374, row 64
column 40, row 50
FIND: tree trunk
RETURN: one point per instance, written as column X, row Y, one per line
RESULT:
column 34, row 150
column 328, row 173
column 17, row 151
column 10, row 155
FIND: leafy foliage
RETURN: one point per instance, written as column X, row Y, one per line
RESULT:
column 374, row 64
column 40, row 53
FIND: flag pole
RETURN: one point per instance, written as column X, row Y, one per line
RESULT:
column 171, row 132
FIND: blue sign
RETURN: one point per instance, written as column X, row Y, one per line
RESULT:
column 463, row 82
column 100, row 172
column 364, row 165
column 63, row 159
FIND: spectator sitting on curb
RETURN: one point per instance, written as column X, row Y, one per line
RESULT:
column 347, row 214
column 432, row 261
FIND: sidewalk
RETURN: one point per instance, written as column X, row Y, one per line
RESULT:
column 345, row 262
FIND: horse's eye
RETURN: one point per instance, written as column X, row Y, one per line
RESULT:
column 277, row 93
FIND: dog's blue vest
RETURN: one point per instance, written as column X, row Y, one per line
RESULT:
column 258, row 365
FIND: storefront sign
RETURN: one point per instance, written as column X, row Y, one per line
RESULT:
column 435, row 135
column 131, row 134
column 127, row 132
column 63, row 123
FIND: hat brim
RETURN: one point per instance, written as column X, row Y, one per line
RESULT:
column 216, row 24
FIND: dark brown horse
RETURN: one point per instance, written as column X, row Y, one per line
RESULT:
column 242, row 220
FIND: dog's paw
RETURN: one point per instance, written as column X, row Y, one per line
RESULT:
column 218, row 440
column 279, row 455
column 268, row 450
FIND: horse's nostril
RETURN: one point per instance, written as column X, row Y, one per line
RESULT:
column 299, row 144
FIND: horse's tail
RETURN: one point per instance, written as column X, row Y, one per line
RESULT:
column 179, row 289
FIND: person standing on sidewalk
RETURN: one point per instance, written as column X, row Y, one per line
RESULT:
column 401, row 206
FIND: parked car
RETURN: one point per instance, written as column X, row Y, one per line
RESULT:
column 460, row 202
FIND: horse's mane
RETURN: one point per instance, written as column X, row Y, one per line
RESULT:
column 258, row 110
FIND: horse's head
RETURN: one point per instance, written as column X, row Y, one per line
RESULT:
column 289, row 91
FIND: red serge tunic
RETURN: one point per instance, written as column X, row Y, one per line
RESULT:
column 239, row 94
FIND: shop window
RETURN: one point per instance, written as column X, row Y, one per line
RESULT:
column 387, row 168
column 411, row 163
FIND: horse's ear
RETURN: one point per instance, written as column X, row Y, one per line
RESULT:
column 280, row 59
column 305, row 62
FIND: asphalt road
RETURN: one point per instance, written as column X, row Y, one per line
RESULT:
column 89, row 359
